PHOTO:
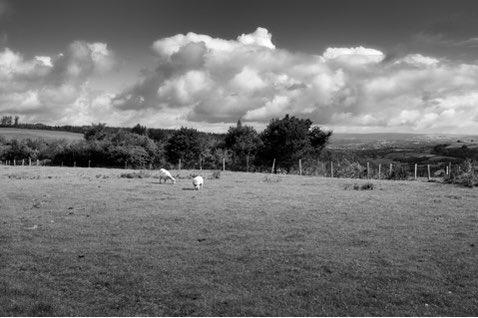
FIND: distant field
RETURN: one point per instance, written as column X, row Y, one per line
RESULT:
column 20, row 134
column 86, row 242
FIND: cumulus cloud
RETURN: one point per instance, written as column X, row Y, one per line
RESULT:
column 213, row 81
column 46, row 88
column 209, row 83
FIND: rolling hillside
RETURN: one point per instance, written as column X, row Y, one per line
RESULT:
column 20, row 134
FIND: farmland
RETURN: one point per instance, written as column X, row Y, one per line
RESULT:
column 89, row 242
column 20, row 134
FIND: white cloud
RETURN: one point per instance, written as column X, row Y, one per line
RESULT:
column 354, row 56
column 46, row 89
column 260, row 37
column 211, row 81
column 418, row 60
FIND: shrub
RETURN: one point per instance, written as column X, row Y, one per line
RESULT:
column 463, row 175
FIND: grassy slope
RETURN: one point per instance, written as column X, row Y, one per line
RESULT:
column 14, row 133
column 248, row 244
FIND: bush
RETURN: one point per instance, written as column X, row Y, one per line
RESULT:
column 463, row 175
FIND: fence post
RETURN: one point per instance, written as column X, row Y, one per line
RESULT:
column 247, row 163
column 126, row 164
column 416, row 167
column 23, row 162
column 429, row 175
column 29, row 161
column 14, row 162
column 379, row 170
column 368, row 170
column 223, row 164
column 74, row 164
column 179, row 164
column 446, row 170
column 449, row 169
column 331, row 169
column 89, row 163
column 62, row 164
column 391, row 166
column 200, row 163
column 300, row 167
column 273, row 165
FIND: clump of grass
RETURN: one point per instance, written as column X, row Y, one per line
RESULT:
column 135, row 175
column 358, row 187
column 216, row 175
column 271, row 179
column 22, row 176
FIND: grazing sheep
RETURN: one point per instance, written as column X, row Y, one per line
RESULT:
column 198, row 182
column 166, row 175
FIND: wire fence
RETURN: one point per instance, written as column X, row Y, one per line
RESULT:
column 331, row 169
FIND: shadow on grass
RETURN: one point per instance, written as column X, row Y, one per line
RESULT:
column 189, row 189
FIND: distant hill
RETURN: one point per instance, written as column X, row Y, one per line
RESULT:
column 395, row 140
column 20, row 134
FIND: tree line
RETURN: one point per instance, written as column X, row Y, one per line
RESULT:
column 244, row 149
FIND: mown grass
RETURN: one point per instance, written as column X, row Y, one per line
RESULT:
column 245, row 245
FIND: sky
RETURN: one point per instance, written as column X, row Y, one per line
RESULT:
column 356, row 66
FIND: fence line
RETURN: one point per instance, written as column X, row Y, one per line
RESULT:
column 337, row 169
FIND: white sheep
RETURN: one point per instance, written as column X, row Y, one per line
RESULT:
column 198, row 182
column 166, row 175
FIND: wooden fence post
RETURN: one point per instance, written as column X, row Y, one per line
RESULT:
column 300, row 167
column 89, row 163
column 449, row 169
column 74, row 164
column 29, row 161
column 223, row 164
column 179, row 164
column 368, row 170
column 391, row 167
column 379, row 170
column 331, row 169
column 273, row 165
column 446, row 170
column 62, row 164
column 200, row 163
column 247, row 163
column 416, row 168
column 14, row 162
column 429, row 175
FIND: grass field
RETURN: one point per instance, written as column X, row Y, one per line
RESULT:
column 87, row 242
column 20, row 134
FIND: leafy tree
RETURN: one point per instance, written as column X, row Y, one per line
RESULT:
column 184, row 144
column 290, row 139
column 95, row 132
column 140, row 130
column 318, row 140
column 6, row 121
column 20, row 150
column 243, row 142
